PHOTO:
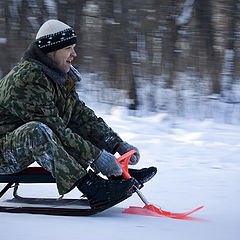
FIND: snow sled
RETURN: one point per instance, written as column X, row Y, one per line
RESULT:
column 40, row 175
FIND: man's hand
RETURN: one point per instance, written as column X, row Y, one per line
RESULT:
column 124, row 147
column 107, row 164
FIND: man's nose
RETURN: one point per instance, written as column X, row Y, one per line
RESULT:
column 74, row 54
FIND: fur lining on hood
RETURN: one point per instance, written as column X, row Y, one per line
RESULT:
column 50, row 68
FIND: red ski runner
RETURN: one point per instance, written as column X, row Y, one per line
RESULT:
column 149, row 209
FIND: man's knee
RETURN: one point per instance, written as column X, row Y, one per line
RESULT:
column 35, row 125
column 40, row 131
column 34, row 132
column 38, row 127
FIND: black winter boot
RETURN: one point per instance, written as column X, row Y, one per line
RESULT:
column 100, row 191
column 141, row 175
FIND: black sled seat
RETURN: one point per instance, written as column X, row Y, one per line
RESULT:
column 28, row 175
column 40, row 175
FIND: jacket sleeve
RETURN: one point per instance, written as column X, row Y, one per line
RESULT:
column 85, row 122
column 34, row 101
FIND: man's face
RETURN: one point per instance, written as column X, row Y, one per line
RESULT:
column 63, row 57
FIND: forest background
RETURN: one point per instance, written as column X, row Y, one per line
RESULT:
column 179, row 57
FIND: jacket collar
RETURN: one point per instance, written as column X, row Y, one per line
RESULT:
column 50, row 68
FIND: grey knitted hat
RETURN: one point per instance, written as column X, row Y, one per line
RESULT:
column 54, row 35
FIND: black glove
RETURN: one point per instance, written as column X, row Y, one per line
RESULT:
column 124, row 147
column 107, row 164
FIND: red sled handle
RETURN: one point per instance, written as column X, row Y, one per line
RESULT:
column 124, row 160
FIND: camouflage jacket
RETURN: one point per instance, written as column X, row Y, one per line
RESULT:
column 32, row 91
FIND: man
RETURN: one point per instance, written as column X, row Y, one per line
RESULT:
column 42, row 119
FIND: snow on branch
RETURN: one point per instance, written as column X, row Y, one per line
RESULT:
column 186, row 13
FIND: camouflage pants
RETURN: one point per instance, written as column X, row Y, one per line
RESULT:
column 34, row 141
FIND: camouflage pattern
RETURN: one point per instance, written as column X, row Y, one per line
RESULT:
column 43, row 121
column 34, row 141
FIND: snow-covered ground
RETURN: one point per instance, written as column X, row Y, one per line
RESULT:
column 198, row 164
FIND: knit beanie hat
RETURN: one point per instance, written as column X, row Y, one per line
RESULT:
column 54, row 35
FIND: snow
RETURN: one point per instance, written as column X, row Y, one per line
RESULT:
column 198, row 164
column 186, row 13
column 3, row 40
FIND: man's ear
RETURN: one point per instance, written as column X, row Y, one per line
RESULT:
column 51, row 55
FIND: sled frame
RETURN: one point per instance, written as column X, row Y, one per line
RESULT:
column 29, row 175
